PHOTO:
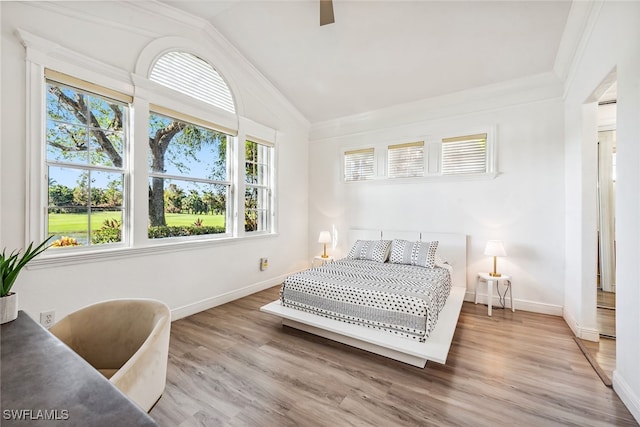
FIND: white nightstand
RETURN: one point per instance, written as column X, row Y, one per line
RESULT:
column 321, row 261
column 490, row 280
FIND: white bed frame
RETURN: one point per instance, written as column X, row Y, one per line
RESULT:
column 453, row 248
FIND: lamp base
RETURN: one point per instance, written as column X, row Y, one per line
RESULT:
column 324, row 252
column 495, row 274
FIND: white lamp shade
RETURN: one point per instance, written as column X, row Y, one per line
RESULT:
column 495, row 248
column 324, row 237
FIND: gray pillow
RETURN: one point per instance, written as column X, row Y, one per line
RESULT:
column 414, row 253
column 374, row 250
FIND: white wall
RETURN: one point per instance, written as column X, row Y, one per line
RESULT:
column 542, row 204
column 187, row 280
column 612, row 41
column 523, row 205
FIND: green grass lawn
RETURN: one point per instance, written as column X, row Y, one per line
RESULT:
column 73, row 223
column 188, row 219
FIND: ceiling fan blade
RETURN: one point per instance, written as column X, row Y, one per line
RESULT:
column 326, row 12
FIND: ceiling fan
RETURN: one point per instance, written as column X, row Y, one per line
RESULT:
column 326, row 12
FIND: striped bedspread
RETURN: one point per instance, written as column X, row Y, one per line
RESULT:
column 398, row 298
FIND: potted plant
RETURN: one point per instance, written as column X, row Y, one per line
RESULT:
column 10, row 267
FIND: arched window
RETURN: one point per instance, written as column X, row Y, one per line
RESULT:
column 194, row 77
column 189, row 155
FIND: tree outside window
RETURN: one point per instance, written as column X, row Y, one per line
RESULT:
column 85, row 158
column 257, row 201
column 189, row 184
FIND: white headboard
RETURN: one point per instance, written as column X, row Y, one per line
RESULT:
column 451, row 246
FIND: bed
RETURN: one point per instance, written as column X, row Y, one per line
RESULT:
column 405, row 312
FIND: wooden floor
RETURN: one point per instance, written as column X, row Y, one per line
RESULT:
column 235, row 366
column 606, row 299
column 604, row 353
column 606, row 313
column 606, row 321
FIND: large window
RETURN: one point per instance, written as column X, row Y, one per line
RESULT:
column 188, row 178
column 110, row 172
column 86, row 166
column 258, row 186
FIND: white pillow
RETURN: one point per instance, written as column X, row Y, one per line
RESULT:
column 414, row 253
column 374, row 250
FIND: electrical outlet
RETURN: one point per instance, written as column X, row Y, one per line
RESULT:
column 47, row 318
column 264, row 264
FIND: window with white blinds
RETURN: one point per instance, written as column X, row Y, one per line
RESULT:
column 464, row 155
column 405, row 160
column 194, row 77
column 359, row 165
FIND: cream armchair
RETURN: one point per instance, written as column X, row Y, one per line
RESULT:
column 126, row 340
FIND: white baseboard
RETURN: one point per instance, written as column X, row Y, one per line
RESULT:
column 524, row 305
column 588, row 334
column 205, row 304
column 626, row 394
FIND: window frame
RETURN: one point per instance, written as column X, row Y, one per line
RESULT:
column 465, row 139
column 432, row 152
column 90, row 89
column 231, row 144
column 359, row 151
column 406, row 150
column 41, row 54
column 269, row 187
column 193, row 87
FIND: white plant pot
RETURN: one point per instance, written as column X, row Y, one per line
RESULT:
column 8, row 308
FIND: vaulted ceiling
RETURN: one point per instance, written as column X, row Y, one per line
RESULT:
column 383, row 53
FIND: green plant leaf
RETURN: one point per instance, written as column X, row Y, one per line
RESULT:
column 11, row 265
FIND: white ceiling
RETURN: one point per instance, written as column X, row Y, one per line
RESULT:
column 384, row 53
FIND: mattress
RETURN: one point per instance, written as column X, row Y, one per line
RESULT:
column 397, row 298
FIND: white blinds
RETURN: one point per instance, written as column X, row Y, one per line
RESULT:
column 464, row 155
column 191, row 119
column 66, row 79
column 358, row 165
column 193, row 76
column 405, row 160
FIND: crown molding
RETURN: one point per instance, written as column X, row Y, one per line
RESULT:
column 66, row 9
column 485, row 98
column 50, row 54
column 581, row 21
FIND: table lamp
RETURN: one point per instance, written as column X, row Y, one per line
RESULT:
column 495, row 248
column 324, row 237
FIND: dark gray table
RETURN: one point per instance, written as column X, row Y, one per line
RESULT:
column 45, row 383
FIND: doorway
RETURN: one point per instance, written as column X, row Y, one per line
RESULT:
column 606, row 279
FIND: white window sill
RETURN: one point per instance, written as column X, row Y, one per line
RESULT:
column 428, row 178
column 70, row 257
